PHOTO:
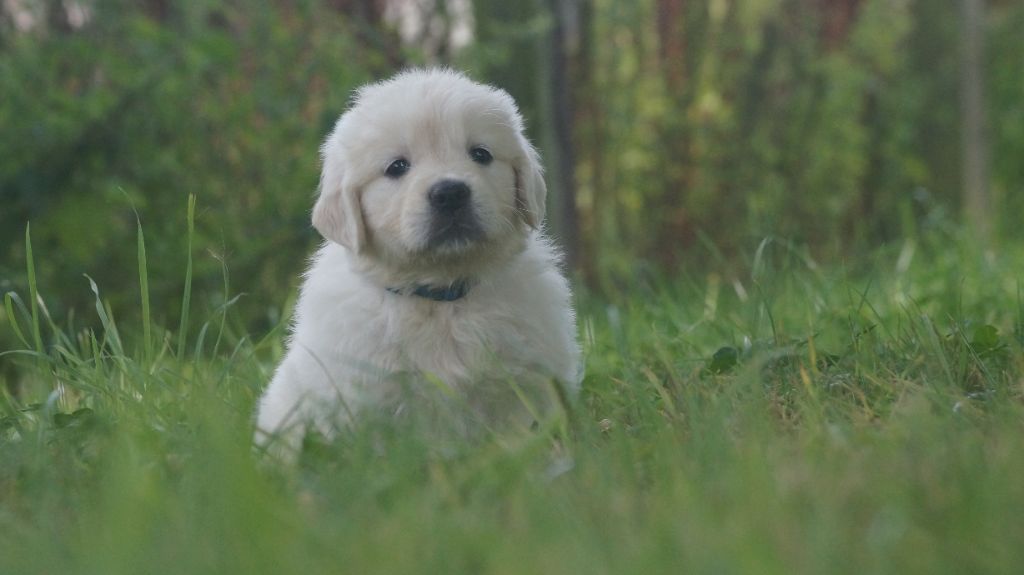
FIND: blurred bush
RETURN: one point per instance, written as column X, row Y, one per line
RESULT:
column 147, row 102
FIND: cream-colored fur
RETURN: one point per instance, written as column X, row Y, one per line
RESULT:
column 355, row 345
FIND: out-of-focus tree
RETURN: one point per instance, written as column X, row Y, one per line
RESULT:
column 563, row 73
column 1004, row 68
column 829, row 122
column 372, row 28
column 435, row 31
column 974, row 137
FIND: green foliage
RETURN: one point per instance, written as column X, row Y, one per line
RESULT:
column 136, row 111
column 770, row 121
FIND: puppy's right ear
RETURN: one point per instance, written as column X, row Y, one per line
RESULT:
column 338, row 215
column 531, row 191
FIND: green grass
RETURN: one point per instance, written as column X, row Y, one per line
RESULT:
column 857, row 418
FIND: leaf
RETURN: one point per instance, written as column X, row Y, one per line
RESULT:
column 9, row 299
column 985, row 339
column 724, row 360
column 79, row 418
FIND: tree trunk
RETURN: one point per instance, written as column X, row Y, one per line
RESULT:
column 677, row 52
column 672, row 44
column 566, row 17
column 57, row 17
column 837, row 19
column 977, row 202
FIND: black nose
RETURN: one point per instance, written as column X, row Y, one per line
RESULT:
column 448, row 195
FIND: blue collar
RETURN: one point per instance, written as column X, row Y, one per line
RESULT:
column 455, row 291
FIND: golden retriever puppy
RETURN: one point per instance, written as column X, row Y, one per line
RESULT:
column 435, row 272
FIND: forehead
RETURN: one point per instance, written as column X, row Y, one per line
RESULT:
column 434, row 113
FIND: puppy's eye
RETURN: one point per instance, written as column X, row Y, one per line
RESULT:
column 480, row 155
column 397, row 168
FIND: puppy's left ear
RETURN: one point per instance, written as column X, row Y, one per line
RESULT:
column 531, row 191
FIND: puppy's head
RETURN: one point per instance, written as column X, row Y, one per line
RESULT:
column 429, row 166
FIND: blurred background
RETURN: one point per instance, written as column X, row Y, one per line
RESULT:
column 677, row 133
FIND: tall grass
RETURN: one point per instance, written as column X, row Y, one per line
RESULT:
column 799, row 418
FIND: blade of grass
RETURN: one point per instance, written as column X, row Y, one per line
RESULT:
column 110, row 334
column 197, row 355
column 227, row 303
column 32, row 291
column 1019, row 328
column 9, row 299
column 768, row 310
column 147, row 338
column 187, row 295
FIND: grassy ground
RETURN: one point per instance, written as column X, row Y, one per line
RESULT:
column 857, row 419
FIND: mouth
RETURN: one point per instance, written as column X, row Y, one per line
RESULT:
column 455, row 233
